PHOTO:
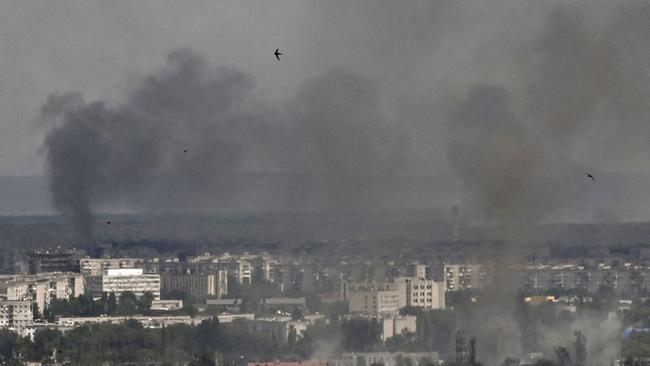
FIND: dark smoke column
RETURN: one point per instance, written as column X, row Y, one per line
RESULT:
column 99, row 154
column 77, row 155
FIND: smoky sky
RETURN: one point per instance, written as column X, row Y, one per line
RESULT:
column 190, row 128
column 517, row 100
column 517, row 148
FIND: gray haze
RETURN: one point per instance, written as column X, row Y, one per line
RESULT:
column 395, row 85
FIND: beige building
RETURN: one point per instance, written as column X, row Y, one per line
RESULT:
column 199, row 286
column 15, row 314
column 423, row 293
column 41, row 288
column 122, row 280
column 389, row 297
column 375, row 300
column 97, row 266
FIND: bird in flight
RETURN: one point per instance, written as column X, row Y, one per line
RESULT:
column 591, row 176
column 186, row 150
column 108, row 222
column 277, row 53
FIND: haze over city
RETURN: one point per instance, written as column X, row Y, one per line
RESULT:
column 348, row 183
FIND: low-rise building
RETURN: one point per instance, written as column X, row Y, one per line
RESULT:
column 384, row 358
column 286, row 304
column 226, row 305
column 397, row 325
column 166, row 305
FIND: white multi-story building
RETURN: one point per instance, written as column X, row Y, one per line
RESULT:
column 423, row 293
column 125, row 279
column 42, row 287
column 97, row 266
column 16, row 314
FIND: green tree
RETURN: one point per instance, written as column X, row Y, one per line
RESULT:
column 47, row 342
column 360, row 334
column 127, row 304
column 291, row 339
column 296, row 314
column 8, row 344
column 111, row 303
column 144, row 302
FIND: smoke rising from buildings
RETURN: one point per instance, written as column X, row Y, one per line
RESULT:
column 332, row 139
column 517, row 147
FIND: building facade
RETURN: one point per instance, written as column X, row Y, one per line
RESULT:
column 16, row 314
column 121, row 280
column 199, row 286
column 97, row 266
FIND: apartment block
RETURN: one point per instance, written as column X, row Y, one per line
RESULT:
column 122, row 280
column 199, row 286
column 97, row 266
column 15, row 314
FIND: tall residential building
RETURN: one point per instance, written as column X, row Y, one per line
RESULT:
column 423, row 293
column 15, row 313
column 199, row 286
column 464, row 276
column 122, row 280
column 56, row 261
column 97, row 266
column 41, row 288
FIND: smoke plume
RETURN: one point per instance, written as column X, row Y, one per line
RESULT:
column 189, row 128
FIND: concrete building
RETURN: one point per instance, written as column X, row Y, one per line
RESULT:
column 375, row 301
column 15, row 314
column 396, row 325
column 423, row 293
column 125, row 279
column 199, row 286
column 166, row 305
column 460, row 277
column 416, row 270
column 150, row 321
column 384, row 358
column 286, row 304
column 97, row 266
column 302, row 363
column 41, row 288
column 225, row 305
column 55, row 261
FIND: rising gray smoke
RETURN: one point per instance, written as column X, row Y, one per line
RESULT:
column 332, row 139
column 517, row 146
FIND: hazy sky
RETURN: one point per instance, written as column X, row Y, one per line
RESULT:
column 569, row 77
column 98, row 47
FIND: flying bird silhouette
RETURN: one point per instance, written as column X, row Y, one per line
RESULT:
column 591, row 176
column 277, row 53
column 186, row 150
column 108, row 222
